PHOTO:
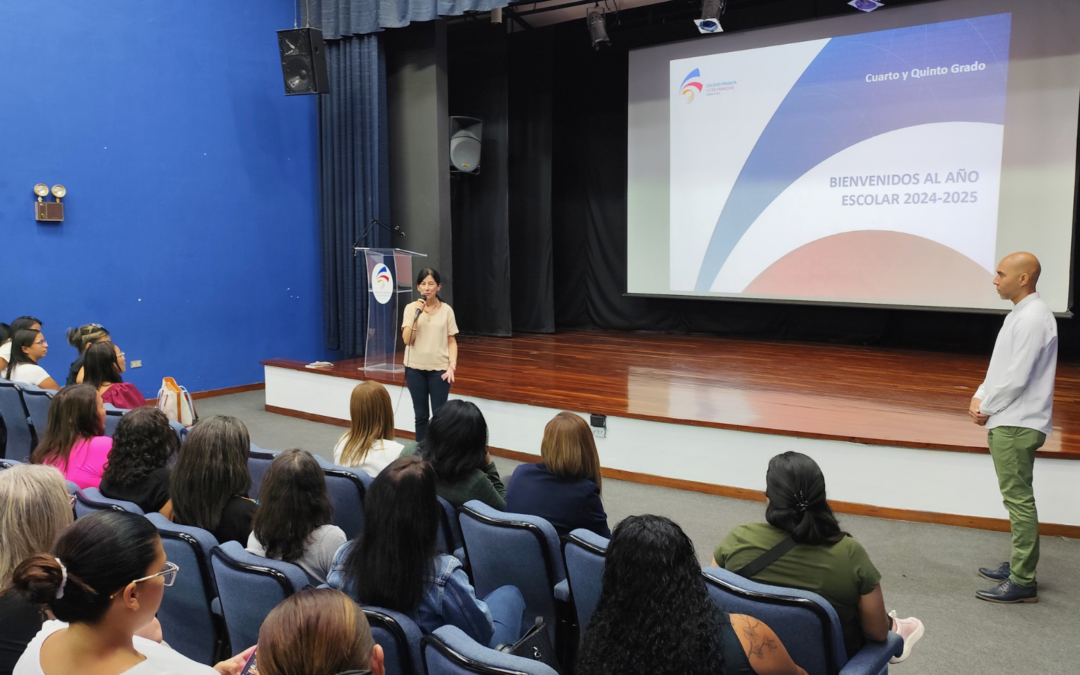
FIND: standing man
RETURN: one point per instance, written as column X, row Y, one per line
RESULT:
column 1014, row 403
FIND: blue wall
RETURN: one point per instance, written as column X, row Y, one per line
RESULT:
column 191, row 229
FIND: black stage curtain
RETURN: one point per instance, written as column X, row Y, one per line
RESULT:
column 479, row 202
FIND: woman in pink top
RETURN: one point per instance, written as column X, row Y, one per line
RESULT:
column 102, row 366
column 74, row 440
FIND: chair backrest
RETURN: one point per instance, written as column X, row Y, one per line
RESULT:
column 805, row 622
column 584, row 552
column 258, row 462
column 399, row 636
column 8, row 463
column 346, row 488
column 451, row 541
column 249, row 586
column 112, row 418
column 517, row 550
column 20, row 440
column 449, row 651
column 37, row 402
column 90, row 499
column 188, row 622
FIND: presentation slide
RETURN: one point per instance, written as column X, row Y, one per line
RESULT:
column 868, row 167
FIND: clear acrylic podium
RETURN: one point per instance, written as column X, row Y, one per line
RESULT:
column 389, row 284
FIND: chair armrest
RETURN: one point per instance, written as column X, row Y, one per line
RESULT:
column 874, row 657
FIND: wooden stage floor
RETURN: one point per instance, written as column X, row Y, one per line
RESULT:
column 858, row 394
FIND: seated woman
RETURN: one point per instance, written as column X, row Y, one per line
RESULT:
column 34, row 509
column 456, row 446
column 80, row 338
column 318, row 630
column 22, row 323
column 103, row 582
column 564, row 489
column 292, row 520
column 210, row 481
column 75, row 440
column 394, row 563
column 104, row 364
column 27, row 348
column 369, row 443
column 137, row 470
column 825, row 560
column 651, row 572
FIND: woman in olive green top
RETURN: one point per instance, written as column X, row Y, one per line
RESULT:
column 826, row 560
column 456, row 445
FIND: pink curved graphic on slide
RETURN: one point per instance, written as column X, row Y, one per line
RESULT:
column 877, row 266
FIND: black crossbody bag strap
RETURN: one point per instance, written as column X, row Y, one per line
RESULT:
column 767, row 558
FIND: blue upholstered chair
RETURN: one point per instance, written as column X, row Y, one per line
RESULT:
column 90, row 499
column 8, row 463
column 249, row 586
column 449, row 651
column 20, row 440
column 584, row 552
column 517, row 550
column 346, row 488
column 112, row 418
column 450, row 540
column 37, row 402
column 399, row 636
column 188, row 621
column 258, row 462
column 805, row 622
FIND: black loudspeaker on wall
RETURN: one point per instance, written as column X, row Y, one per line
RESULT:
column 465, row 135
column 303, row 61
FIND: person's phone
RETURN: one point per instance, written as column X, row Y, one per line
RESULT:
column 252, row 666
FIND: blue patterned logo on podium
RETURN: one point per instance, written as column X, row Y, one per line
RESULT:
column 382, row 284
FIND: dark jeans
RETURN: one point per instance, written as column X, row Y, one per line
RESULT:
column 422, row 384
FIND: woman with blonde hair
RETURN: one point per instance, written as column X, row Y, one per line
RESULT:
column 317, row 631
column 369, row 443
column 565, row 488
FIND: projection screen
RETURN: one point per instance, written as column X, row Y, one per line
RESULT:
column 889, row 158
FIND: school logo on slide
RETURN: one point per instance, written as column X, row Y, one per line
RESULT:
column 689, row 84
column 382, row 284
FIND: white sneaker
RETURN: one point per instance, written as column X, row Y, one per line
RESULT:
column 911, row 629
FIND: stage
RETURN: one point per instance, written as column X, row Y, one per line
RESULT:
column 890, row 428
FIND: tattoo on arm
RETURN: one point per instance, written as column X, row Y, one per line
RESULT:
column 759, row 641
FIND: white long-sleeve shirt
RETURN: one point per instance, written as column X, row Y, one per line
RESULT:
column 1019, row 387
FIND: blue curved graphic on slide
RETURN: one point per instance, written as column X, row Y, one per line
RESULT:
column 832, row 107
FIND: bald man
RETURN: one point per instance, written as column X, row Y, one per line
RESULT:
column 1014, row 403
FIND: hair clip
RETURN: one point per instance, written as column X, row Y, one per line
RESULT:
column 63, row 582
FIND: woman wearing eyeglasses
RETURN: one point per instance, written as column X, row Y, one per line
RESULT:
column 27, row 348
column 103, row 582
column 80, row 338
column 103, row 365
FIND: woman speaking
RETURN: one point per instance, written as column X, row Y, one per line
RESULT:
column 428, row 329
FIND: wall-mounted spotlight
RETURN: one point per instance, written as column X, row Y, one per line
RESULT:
column 597, row 29
column 49, row 211
column 710, row 16
column 866, row 5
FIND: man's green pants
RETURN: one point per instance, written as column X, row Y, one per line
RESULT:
column 1013, row 450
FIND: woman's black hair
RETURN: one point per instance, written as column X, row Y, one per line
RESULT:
column 292, row 504
column 22, row 338
column 73, row 417
column 144, row 442
column 390, row 562
column 100, row 365
column 654, row 615
column 795, row 487
column 456, row 441
column 5, row 333
column 103, row 552
column 82, row 337
column 25, row 323
column 211, row 469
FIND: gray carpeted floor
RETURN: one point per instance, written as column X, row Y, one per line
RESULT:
column 928, row 571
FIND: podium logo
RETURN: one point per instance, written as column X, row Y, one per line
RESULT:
column 689, row 84
column 382, row 284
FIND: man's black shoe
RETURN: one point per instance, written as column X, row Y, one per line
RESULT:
column 1009, row 592
column 999, row 573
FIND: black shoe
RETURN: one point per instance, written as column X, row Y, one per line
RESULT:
column 1009, row 592
column 999, row 573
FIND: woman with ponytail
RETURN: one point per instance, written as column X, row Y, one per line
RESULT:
column 103, row 582
column 822, row 558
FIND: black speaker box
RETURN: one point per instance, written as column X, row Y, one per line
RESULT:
column 303, row 61
column 465, row 136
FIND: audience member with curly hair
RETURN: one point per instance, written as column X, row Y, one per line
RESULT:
column 655, row 615
column 826, row 560
column 210, row 482
column 137, row 470
column 318, row 630
column 75, row 440
column 104, row 365
column 292, row 520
